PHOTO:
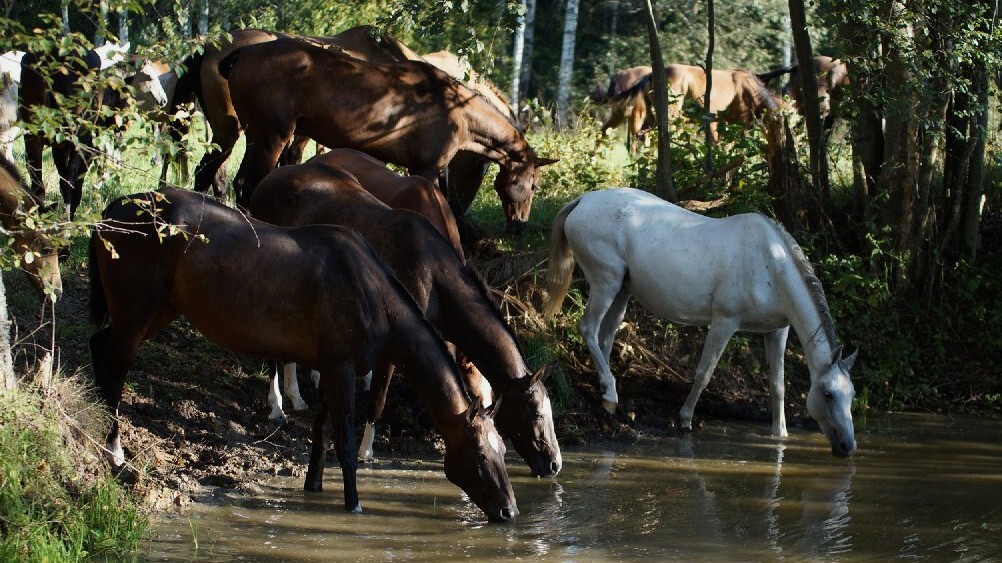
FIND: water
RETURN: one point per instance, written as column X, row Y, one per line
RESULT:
column 921, row 488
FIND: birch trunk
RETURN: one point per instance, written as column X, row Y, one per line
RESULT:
column 6, row 361
column 516, row 59
column 566, row 62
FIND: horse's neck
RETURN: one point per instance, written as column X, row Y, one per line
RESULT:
column 491, row 134
column 430, row 371
column 480, row 332
column 809, row 323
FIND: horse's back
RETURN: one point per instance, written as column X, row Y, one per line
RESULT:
column 681, row 265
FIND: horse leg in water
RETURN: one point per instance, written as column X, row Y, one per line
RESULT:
column 720, row 331
column 605, row 285
column 336, row 382
column 775, row 349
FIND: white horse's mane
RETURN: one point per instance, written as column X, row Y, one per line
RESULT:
column 814, row 287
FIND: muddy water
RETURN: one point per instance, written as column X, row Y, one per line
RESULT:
column 921, row 488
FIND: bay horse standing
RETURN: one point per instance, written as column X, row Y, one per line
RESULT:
column 201, row 80
column 407, row 113
column 450, row 293
column 37, row 257
column 738, row 273
column 328, row 302
column 44, row 76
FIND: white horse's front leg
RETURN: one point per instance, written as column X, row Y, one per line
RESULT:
column 775, row 351
column 292, row 387
column 720, row 332
column 365, row 452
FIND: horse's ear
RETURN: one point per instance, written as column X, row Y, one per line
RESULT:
column 836, row 355
column 493, row 409
column 542, row 373
column 544, row 161
column 851, row 359
column 473, row 411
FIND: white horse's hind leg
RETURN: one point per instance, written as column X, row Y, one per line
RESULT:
column 603, row 292
column 720, row 332
column 775, row 349
column 368, row 438
column 292, row 387
column 610, row 324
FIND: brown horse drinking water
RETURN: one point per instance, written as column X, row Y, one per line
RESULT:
column 37, row 256
column 408, row 113
column 451, row 294
column 327, row 302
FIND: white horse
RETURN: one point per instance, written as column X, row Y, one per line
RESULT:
column 738, row 273
column 10, row 78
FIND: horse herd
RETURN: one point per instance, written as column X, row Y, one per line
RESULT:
column 349, row 268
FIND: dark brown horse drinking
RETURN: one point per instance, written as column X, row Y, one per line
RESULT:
column 451, row 294
column 408, row 113
column 328, row 302
column 37, row 257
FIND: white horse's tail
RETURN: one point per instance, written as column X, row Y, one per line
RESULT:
column 561, row 263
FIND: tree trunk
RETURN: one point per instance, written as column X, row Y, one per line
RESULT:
column 6, row 361
column 530, row 23
column 516, row 59
column 809, row 98
column 203, row 18
column 707, row 114
column 123, row 26
column 566, row 62
column 99, row 37
column 664, row 187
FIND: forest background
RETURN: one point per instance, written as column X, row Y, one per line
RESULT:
column 903, row 222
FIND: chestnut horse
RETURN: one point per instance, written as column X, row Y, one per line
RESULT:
column 44, row 78
column 328, row 302
column 34, row 250
column 451, row 294
column 738, row 96
column 201, row 80
column 634, row 108
column 415, row 193
column 408, row 113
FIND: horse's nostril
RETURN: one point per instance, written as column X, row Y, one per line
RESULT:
column 554, row 467
column 506, row 514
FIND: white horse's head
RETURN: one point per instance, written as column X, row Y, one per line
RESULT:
column 10, row 64
column 112, row 53
column 829, row 402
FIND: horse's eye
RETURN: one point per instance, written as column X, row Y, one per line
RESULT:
column 829, row 395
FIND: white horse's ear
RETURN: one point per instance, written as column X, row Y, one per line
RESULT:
column 847, row 362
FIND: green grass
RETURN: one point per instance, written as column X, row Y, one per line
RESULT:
column 52, row 507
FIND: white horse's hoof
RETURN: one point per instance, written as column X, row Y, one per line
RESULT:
column 609, row 406
column 277, row 417
column 299, row 405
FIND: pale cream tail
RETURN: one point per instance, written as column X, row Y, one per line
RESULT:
column 561, row 263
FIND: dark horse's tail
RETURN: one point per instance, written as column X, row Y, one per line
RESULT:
column 226, row 65
column 187, row 90
column 98, row 303
column 765, row 77
column 642, row 86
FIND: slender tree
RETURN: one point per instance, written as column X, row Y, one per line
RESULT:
column 566, row 62
column 6, row 362
column 664, row 187
column 708, row 116
column 809, row 97
column 518, row 49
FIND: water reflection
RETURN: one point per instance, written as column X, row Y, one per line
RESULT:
column 726, row 492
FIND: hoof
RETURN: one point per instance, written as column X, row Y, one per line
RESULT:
column 300, row 406
column 609, row 406
column 357, row 509
column 278, row 417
